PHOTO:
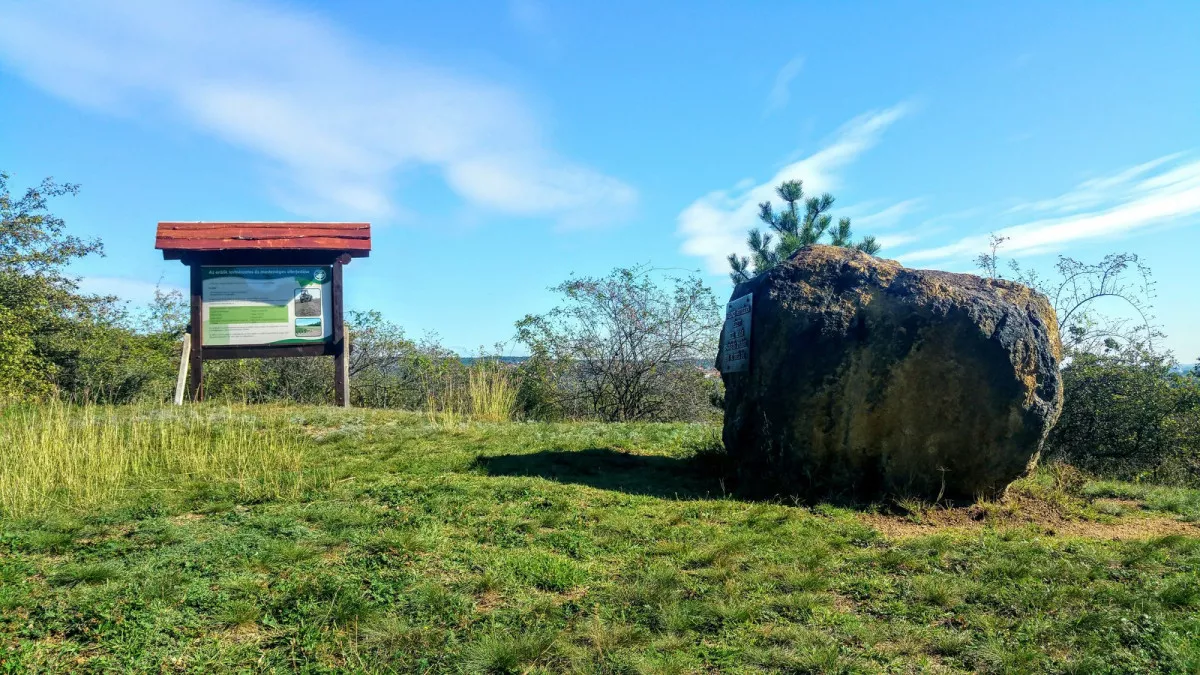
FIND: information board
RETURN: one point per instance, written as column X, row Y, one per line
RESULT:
column 735, row 339
column 270, row 305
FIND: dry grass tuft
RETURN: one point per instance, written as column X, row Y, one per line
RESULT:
column 492, row 393
column 61, row 456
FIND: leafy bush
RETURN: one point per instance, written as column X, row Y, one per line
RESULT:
column 1127, row 414
column 41, row 309
column 388, row 369
column 624, row 347
column 55, row 339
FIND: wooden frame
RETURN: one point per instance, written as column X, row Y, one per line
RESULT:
column 200, row 245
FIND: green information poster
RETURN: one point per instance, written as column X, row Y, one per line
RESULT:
column 276, row 305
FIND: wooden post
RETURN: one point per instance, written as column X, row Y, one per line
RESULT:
column 342, row 363
column 181, row 380
column 341, row 346
column 196, row 380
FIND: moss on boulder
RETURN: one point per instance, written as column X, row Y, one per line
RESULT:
column 868, row 379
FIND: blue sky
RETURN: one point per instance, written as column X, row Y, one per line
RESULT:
column 497, row 147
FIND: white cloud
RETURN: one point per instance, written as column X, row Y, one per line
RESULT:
column 135, row 291
column 890, row 241
column 887, row 217
column 716, row 224
column 781, row 91
column 1157, row 192
column 334, row 117
column 1096, row 191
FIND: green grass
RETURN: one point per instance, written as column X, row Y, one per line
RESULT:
column 406, row 546
column 57, row 456
column 1180, row 501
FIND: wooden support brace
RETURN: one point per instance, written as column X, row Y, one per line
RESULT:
column 181, row 380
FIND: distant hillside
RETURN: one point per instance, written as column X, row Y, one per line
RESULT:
column 468, row 360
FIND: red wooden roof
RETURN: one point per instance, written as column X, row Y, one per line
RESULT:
column 352, row 238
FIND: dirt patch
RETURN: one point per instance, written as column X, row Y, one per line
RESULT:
column 335, row 555
column 843, row 604
column 487, row 601
column 574, row 595
column 185, row 518
column 1131, row 504
column 243, row 634
column 1025, row 513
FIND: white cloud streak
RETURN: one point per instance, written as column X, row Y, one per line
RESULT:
column 715, row 225
column 1157, row 192
column 1095, row 191
column 888, row 241
column 134, row 291
column 887, row 217
column 781, row 91
column 337, row 119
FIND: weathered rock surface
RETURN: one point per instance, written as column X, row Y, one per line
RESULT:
column 867, row 379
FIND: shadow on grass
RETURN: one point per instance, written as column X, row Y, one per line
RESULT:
column 699, row 476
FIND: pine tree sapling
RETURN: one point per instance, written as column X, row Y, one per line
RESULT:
column 790, row 230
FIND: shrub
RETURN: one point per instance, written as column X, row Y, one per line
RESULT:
column 1129, row 415
column 624, row 347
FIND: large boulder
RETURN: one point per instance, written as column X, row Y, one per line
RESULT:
column 869, row 380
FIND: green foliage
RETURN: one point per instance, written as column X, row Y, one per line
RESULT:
column 107, row 361
column 538, row 394
column 789, row 231
column 1128, row 414
column 387, row 370
column 1180, row 501
column 22, row 371
column 308, row 381
column 57, row 340
column 72, row 575
column 546, row 571
column 41, row 311
column 622, row 347
column 390, row 370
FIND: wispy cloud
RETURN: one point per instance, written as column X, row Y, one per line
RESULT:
column 715, row 225
column 1096, row 191
column 134, row 291
column 781, row 91
column 887, row 217
column 1157, row 192
column 888, row 241
column 334, row 117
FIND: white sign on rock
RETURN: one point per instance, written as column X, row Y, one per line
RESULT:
column 735, row 340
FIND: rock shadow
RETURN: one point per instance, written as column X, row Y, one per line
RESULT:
column 700, row 476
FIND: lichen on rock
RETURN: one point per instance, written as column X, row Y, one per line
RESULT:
column 868, row 380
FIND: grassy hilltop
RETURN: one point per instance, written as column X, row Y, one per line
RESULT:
column 279, row 539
